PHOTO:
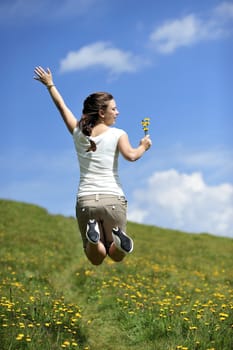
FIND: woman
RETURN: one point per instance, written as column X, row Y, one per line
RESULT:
column 101, row 205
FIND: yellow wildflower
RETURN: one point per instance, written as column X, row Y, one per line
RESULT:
column 20, row 336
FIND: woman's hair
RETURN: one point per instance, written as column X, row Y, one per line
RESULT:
column 91, row 107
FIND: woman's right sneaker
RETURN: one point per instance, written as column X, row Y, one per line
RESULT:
column 93, row 233
column 122, row 241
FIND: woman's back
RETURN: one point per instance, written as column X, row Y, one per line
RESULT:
column 99, row 169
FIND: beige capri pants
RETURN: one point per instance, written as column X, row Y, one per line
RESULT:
column 108, row 210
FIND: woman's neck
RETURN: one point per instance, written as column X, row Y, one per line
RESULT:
column 99, row 129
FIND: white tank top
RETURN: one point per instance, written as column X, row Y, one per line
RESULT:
column 99, row 169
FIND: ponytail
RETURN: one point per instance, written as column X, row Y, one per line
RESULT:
column 91, row 107
column 86, row 123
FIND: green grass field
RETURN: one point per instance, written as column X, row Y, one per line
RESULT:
column 175, row 291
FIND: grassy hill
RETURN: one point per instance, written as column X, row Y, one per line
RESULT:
column 175, row 291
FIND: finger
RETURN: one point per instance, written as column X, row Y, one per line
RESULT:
column 38, row 71
column 41, row 69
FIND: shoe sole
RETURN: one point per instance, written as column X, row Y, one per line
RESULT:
column 118, row 243
column 90, row 231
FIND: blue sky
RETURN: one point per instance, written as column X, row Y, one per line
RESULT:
column 170, row 61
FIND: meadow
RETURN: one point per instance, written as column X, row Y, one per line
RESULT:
column 174, row 292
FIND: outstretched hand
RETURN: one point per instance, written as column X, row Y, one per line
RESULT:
column 44, row 76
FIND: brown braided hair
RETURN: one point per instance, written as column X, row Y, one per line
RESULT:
column 91, row 107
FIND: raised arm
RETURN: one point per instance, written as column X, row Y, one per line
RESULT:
column 45, row 77
column 131, row 153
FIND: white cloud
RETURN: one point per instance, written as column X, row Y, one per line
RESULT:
column 100, row 54
column 177, row 33
column 191, row 29
column 185, row 202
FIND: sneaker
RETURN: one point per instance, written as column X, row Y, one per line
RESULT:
column 93, row 233
column 122, row 241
